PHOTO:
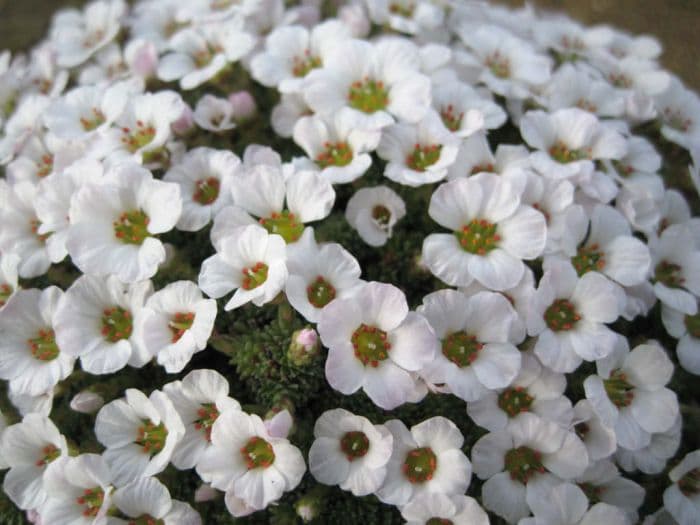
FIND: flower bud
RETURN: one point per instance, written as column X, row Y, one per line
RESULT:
column 304, row 346
column 243, row 104
column 205, row 492
column 183, row 125
column 87, row 402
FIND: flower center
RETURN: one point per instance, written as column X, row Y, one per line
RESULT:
column 320, row 292
column 50, row 453
column 146, row 519
column 592, row 492
column 34, row 225
column 675, row 119
column 368, row 96
column 423, row 156
column 439, row 521
column 478, row 237
column 44, row 166
column 523, row 463
column 370, row 345
column 5, row 292
column 669, row 274
column 589, row 258
column 586, row 105
column 515, row 400
column 402, row 9
column 561, row 315
column 180, row 323
column 92, row 500
column 382, row 215
column 206, row 190
column 461, row 348
column 620, row 80
column 302, row 65
column 624, row 170
column 203, row 57
column 43, row 347
column 206, row 416
column 618, row 389
column 498, row 64
column 95, row 120
column 257, row 453
column 563, row 154
column 451, row 119
column 151, row 437
column 117, row 324
column 354, row 445
column 582, row 429
column 690, row 483
column 420, row 465
column 284, row 224
column 132, row 227
column 94, row 38
column 135, row 139
column 335, row 154
column 255, row 276
column 692, row 324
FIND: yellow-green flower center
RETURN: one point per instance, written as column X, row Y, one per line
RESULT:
column 302, row 65
column 420, row 465
column 206, row 417
column 5, row 292
column 146, row 519
column 206, row 190
column 563, row 154
column 50, row 453
column 368, row 96
column 94, row 121
column 461, row 348
column 370, row 345
column 132, row 227
column 478, row 237
column 180, row 323
column 670, row 274
column 404, row 9
column 561, row 315
column 258, row 453
column 117, row 324
column 135, row 139
column 284, row 224
column 43, row 347
column 592, row 492
column 588, row 258
column 254, row 276
column 515, row 400
column 92, row 500
column 334, row 154
column 692, row 324
column 451, row 119
column 151, row 437
column 381, row 214
column 354, row 445
column 498, row 64
column 689, row 484
column 320, row 292
column 619, row 390
column 423, row 156
column 523, row 463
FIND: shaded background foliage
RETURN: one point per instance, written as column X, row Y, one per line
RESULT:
column 253, row 342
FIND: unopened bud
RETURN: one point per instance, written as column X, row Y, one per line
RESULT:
column 205, row 492
column 243, row 104
column 87, row 402
column 185, row 123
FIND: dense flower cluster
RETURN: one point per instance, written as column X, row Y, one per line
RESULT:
column 435, row 241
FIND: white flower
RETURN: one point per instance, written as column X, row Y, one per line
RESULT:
column 491, row 233
column 680, row 499
column 28, row 447
column 339, row 147
column 418, row 153
column 147, row 500
column 8, row 276
column 349, row 451
column 199, row 398
column 440, row 508
column 602, row 482
column 78, row 490
column 292, row 51
column 374, row 212
column 94, row 320
column 629, row 395
column 198, row 54
column 30, row 359
column 113, row 223
column 406, row 16
column 685, row 328
column 254, row 468
column 374, row 343
column 652, row 459
column 318, row 274
column 464, row 111
column 284, row 115
column 535, row 389
column 204, row 176
column 379, row 81
column 175, row 323
column 531, row 453
column 676, row 260
column 568, row 141
column 425, row 460
column 263, row 190
column 214, row 114
column 477, row 354
column 139, row 434
column 568, row 316
column 599, row 439
column 573, row 86
column 250, row 261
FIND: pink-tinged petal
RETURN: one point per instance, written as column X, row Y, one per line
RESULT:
column 438, row 433
column 497, row 270
column 326, row 462
column 505, row 497
column 524, row 234
column 446, row 259
column 383, row 305
column 456, row 203
column 344, row 371
column 388, row 386
column 413, row 343
column 497, row 365
column 260, row 487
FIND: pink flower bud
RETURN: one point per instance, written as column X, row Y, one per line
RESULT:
column 142, row 57
column 355, row 18
column 87, row 402
column 205, row 492
column 243, row 105
column 185, row 123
